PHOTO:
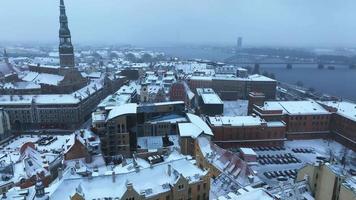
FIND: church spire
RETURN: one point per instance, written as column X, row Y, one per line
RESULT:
column 66, row 52
column 6, row 57
column 62, row 16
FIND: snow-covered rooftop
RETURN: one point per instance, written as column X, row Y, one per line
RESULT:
column 255, row 77
column 44, row 99
column 130, row 108
column 307, row 107
column 344, row 108
column 114, row 100
column 211, row 98
column 170, row 118
column 151, row 180
column 42, row 78
column 21, row 85
column 49, row 79
column 189, row 130
column 258, row 77
column 350, row 183
column 276, row 124
column 200, row 123
column 255, row 194
column 155, row 142
column 235, row 108
column 233, row 169
column 236, row 121
column 27, row 162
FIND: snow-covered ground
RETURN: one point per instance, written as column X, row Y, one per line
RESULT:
column 16, row 143
column 322, row 148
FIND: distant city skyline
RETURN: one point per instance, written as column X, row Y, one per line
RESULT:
column 319, row 23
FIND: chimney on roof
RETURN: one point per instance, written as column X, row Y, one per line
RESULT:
column 113, row 176
column 129, row 185
column 60, row 173
column 72, row 171
column 143, row 193
column 77, row 164
column 251, row 178
column 169, row 171
column 124, row 163
column 136, row 166
column 81, row 133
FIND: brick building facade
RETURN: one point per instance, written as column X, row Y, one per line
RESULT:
column 342, row 122
column 304, row 119
column 230, row 87
column 246, row 131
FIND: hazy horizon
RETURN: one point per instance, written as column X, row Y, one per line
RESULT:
column 303, row 23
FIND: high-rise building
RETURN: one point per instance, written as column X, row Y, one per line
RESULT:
column 66, row 53
column 6, row 57
column 239, row 43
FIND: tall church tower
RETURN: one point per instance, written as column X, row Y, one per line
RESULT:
column 66, row 53
column 73, row 80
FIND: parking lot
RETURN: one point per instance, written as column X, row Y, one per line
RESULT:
column 276, row 164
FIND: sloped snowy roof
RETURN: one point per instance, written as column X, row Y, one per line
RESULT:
column 21, row 85
column 256, row 194
column 200, row 123
column 258, row 77
column 94, row 75
column 227, row 162
column 154, row 180
column 114, row 100
column 189, row 130
column 44, row 99
column 130, row 108
column 344, row 108
column 34, row 162
column 350, row 183
column 48, row 79
column 30, row 76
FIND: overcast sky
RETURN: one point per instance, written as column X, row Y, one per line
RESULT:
column 167, row 22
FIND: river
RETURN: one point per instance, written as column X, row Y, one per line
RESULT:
column 340, row 82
